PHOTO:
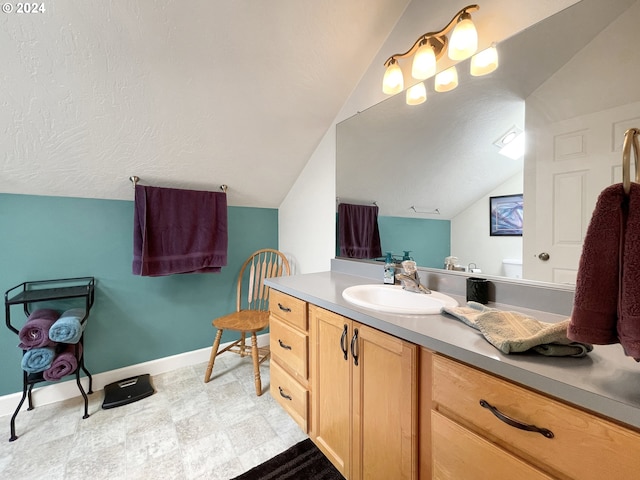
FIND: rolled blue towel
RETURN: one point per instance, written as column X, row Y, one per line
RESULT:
column 68, row 329
column 38, row 359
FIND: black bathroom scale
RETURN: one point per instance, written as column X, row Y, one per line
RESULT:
column 127, row 391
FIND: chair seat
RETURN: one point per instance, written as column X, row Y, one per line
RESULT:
column 243, row 321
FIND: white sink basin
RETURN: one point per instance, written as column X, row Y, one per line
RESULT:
column 394, row 299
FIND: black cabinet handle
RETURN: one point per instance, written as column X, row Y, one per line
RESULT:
column 515, row 423
column 343, row 342
column 284, row 345
column 284, row 395
column 354, row 347
column 283, row 308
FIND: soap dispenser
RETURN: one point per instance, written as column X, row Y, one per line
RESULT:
column 389, row 270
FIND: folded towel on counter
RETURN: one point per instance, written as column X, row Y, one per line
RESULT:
column 64, row 363
column 514, row 332
column 38, row 359
column 68, row 328
column 35, row 332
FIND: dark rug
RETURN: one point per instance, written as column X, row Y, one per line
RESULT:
column 303, row 461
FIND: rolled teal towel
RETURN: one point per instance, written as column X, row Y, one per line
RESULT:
column 68, row 328
column 38, row 359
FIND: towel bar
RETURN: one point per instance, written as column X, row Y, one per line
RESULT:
column 135, row 179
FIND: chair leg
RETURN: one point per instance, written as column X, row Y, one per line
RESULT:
column 214, row 352
column 256, row 363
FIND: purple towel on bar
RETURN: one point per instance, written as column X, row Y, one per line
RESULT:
column 358, row 231
column 64, row 363
column 35, row 332
column 179, row 231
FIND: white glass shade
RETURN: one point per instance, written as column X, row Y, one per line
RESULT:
column 424, row 63
column 446, row 80
column 464, row 39
column 393, row 82
column 484, row 62
column 417, row 94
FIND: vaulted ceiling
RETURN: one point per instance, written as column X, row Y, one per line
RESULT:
column 182, row 94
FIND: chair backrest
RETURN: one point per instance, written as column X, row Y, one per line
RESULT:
column 253, row 294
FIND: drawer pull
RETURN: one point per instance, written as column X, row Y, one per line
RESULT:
column 343, row 342
column 284, row 395
column 516, row 423
column 355, row 353
column 283, row 308
column 284, row 345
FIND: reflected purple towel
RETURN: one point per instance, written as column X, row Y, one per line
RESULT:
column 179, row 231
column 64, row 363
column 358, row 231
column 35, row 332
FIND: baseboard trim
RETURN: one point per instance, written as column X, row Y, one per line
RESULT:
column 58, row 392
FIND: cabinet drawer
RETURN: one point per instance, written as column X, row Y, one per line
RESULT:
column 288, row 308
column 583, row 446
column 292, row 396
column 461, row 454
column 290, row 346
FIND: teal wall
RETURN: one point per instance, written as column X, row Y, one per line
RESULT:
column 428, row 240
column 134, row 319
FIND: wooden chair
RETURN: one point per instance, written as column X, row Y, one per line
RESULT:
column 252, row 310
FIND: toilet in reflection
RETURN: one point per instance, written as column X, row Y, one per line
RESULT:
column 512, row 267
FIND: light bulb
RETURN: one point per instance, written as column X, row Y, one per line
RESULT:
column 393, row 81
column 417, row 94
column 446, row 80
column 484, row 62
column 464, row 39
column 424, row 62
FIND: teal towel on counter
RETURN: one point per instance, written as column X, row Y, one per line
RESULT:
column 38, row 359
column 68, row 328
column 514, row 332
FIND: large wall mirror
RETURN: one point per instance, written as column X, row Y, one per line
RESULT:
column 570, row 82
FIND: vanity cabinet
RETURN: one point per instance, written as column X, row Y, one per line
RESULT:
column 364, row 398
column 289, row 346
column 499, row 428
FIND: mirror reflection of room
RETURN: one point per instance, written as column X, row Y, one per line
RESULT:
column 446, row 167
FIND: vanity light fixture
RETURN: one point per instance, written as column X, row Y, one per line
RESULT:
column 416, row 94
column 430, row 47
column 484, row 62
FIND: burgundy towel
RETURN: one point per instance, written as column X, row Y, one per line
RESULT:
column 64, row 363
column 595, row 308
column 629, row 309
column 358, row 231
column 35, row 332
column 179, row 231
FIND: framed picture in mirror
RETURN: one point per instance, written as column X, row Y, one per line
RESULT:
column 505, row 215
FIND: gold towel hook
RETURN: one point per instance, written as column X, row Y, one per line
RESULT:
column 630, row 140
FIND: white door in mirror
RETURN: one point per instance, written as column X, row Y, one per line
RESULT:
column 394, row 299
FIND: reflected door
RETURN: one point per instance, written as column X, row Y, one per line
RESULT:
column 576, row 160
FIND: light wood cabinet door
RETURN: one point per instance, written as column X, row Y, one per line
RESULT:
column 385, row 409
column 331, row 386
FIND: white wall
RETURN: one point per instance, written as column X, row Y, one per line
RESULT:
column 485, row 251
column 307, row 215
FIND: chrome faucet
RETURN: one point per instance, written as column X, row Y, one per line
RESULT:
column 410, row 279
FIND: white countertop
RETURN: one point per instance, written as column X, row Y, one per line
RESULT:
column 605, row 381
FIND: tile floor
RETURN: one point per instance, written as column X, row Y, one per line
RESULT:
column 186, row 430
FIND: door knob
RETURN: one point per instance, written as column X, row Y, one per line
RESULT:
column 544, row 256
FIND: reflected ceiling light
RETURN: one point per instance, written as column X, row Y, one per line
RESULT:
column 484, row 62
column 429, row 48
column 446, row 80
column 511, row 143
column 416, row 94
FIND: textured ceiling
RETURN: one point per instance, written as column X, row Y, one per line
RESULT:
column 182, row 94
